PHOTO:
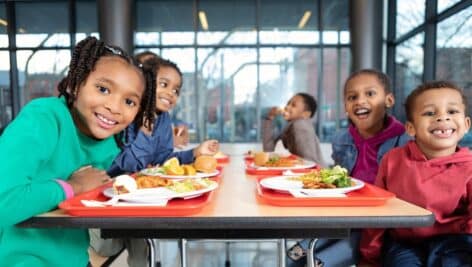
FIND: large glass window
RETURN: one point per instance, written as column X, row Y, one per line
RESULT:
column 408, row 68
column 284, row 22
column 34, row 30
column 5, row 92
column 40, row 72
column 410, row 13
column 164, row 22
column 444, row 4
column 217, row 27
column 86, row 19
column 3, row 27
column 454, row 49
column 228, row 84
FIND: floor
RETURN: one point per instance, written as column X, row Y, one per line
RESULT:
column 209, row 254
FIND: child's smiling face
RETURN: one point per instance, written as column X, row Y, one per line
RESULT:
column 438, row 121
column 108, row 101
column 295, row 109
column 366, row 102
column 168, row 88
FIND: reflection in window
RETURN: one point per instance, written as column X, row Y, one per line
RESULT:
column 228, row 82
column 410, row 13
column 40, row 72
column 408, row 68
column 336, row 62
column 5, row 92
column 454, row 49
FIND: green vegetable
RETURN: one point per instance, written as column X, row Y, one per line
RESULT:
column 336, row 175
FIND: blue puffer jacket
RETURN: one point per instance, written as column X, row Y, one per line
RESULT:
column 345, row 151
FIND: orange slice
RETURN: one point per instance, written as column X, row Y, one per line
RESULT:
column 172, row 162
column 174, row 170
column 189, row 170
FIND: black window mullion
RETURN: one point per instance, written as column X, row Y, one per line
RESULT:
column 14, row 81
column 429, row 59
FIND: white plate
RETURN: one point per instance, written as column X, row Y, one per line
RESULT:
column 285, row 184
column 305, row 165
column 150, row 195
column 153, row 172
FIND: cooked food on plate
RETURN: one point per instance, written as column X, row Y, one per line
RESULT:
column 206, row 164
column 335, row 177
column 266, row 159
column 145, row 181
column 124, row 184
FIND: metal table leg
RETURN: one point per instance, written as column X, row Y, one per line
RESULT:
column 183, row 252
column 227, row 256
column 310, row 253
column 281, row 245
column 151, row 252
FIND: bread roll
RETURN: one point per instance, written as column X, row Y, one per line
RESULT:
column 261, row 158
column 206, row 164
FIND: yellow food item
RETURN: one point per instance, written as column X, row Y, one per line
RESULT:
column 261, row 158
column 170, row 163
column 174, row 170
column 189, row 170
column 205, row 164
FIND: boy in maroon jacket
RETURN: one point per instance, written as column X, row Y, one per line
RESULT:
column 431, row 172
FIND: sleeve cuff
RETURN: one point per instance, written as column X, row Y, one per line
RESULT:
column 68, row 191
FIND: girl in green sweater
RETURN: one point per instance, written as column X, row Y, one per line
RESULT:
column 60, row 146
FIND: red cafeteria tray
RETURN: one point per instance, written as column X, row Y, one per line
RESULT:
column 175, row 207
column 223, row 159
column 369, row 195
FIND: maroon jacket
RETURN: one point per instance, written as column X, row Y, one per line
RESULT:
column 442, row 185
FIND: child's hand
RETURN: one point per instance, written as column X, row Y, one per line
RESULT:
column 209, row 147
column 273, row 112
column 181, row 136
column 87, row 178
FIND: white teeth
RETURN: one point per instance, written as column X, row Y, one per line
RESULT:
column 361, row 111
column 439, row 131
column 105, row 120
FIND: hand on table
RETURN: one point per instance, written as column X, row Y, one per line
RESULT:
column 87, row 178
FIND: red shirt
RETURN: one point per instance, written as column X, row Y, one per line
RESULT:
column 442, row 185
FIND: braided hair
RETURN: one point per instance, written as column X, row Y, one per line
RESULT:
column 84, row 58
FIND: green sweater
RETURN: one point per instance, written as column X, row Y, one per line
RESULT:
column 42, row 144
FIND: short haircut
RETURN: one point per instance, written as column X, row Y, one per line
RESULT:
column 310, row 103
column 381, row 77
column 433, row 85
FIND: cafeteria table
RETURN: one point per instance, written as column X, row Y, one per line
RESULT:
column 235, row 213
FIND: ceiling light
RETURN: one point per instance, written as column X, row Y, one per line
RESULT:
column 203, row 20
column 304, row 19
column 3, row 22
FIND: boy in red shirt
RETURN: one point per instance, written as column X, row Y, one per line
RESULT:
column 432, row 172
